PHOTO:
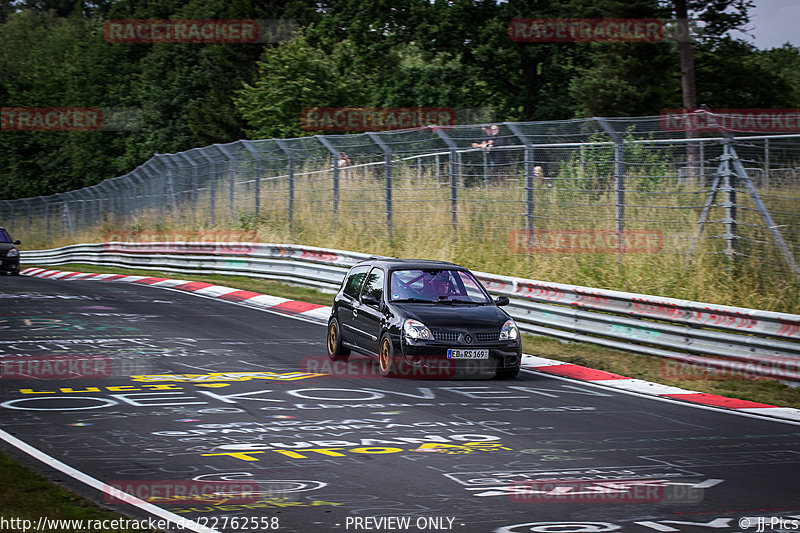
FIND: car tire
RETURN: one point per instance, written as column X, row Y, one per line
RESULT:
column 336, row 351
column 386, row 357
column 507, row 373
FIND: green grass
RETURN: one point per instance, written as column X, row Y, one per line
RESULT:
column 26, row 495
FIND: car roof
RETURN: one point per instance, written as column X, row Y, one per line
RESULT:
column 389, row 263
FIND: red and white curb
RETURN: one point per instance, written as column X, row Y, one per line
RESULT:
column 616, row 381
column 320, row 313
column 314, row 312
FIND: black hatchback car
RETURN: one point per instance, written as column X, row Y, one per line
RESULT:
column 9, row 255
column 423, row 318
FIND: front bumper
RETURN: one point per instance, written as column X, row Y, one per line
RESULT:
column 429, row 358
column 9, row 265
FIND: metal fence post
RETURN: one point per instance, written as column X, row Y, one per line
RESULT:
column 290, row 207
column 28, row 211
column 765, row 216
column 729, row 204
column 619, row 177
column 150, row 184
column 212, row 179
column 387, row 158
column 453, row 175
column 256, row 180
column 46, row 218
column 335, row 157
column 529, row 181
column 168, row 186
column 192, row 183
column 702, row 148
column 231, row 160
column 766, row 164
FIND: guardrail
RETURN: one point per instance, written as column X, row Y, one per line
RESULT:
column 733, row 340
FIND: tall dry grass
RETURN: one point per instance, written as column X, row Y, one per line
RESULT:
column 422, row 227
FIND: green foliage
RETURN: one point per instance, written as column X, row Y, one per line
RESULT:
column 294, row 76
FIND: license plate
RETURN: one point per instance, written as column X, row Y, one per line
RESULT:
column 467, row 354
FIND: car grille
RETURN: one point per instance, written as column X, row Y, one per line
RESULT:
column 487, row 337
column 445, row 336
column 452, row 336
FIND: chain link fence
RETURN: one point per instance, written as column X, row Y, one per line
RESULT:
column 600, row 185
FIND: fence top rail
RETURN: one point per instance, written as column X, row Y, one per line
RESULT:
column 427, row 141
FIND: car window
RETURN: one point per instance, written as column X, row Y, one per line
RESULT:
column 471, row 287
column 353, row 281
column 4, row 236
column 436, row 286
column 374, row 284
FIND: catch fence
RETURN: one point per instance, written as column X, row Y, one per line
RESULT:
column 601, row 185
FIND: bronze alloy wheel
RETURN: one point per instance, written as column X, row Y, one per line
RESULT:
column 333, row 338
column 385, row 357
column 336, row 351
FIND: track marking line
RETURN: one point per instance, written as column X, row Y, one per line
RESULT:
column 180, row 521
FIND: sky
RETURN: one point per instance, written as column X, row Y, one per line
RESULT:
column 773, row 22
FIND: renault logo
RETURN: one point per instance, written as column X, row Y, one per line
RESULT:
column 468, row 338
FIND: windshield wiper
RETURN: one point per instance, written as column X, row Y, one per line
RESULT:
column 451, row 301
column 414, row 300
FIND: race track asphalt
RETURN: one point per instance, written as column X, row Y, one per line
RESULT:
column 235, row 418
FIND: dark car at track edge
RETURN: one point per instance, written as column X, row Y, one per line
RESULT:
column 423, row 318
column 9, row 255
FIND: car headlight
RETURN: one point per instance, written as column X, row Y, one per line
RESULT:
column 13, row 253
column 509, row 331
column 414, row 329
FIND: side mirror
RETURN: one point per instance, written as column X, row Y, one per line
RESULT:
column 501, row 300
column 370, row 300
column 17, row 242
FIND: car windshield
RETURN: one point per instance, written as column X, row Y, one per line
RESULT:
column 4, row 236
column 436, row 286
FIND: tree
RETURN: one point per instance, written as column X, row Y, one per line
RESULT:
column 717, row 19
column 293, row 76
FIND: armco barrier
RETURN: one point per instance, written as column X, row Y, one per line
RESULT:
column 732, row 339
